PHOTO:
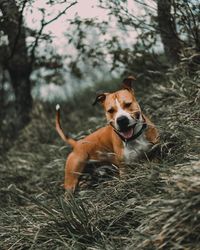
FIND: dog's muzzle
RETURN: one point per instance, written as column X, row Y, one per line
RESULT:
column 126, row 130
column 123, row 123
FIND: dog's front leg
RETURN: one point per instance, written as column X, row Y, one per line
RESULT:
column 73, row 168
column 119, row 162
column 122, row 170
column 119, row 157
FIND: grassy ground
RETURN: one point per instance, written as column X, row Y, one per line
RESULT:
column 155, row 206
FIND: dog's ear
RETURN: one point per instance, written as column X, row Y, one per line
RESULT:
column 128, row 83
column 99, row 98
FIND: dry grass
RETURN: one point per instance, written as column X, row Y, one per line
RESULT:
column 156, row 206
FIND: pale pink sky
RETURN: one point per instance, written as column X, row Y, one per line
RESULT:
column 84, row 9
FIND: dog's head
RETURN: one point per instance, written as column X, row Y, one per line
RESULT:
column 122, row 110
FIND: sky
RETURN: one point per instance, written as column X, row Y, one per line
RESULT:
column 57, row 29
column 83, row 8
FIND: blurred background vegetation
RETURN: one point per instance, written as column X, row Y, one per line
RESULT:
column 65, row 51
column 144, row 38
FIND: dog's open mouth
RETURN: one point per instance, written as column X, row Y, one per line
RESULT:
column 128, row 132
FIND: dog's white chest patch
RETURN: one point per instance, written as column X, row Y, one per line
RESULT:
column 133, row 149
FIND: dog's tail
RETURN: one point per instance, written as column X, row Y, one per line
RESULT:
column 65, row 138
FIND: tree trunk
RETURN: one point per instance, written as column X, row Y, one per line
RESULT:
column 167, row 29
column 17, row 61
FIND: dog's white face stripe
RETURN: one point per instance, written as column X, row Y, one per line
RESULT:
column 132, row 121
column 121, row 112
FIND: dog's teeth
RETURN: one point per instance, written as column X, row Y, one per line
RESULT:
column 57, row 107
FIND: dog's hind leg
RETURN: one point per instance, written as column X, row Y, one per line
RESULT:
column 73, row 169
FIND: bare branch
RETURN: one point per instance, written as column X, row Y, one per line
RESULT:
column 146, row 5
column 19, row 28
column 43, row 25
column 196, row 30
column 60, row 14
column 32, row 56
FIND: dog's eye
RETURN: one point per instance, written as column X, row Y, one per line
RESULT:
column 111, row 110
column 127, row 105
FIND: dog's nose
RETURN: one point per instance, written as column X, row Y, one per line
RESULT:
column 123, row 122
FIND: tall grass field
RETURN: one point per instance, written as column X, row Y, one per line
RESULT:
column 156, row 205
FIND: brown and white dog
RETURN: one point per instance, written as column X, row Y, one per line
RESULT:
column 129, row 133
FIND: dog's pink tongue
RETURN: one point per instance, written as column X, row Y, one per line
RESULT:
column 127, row 134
